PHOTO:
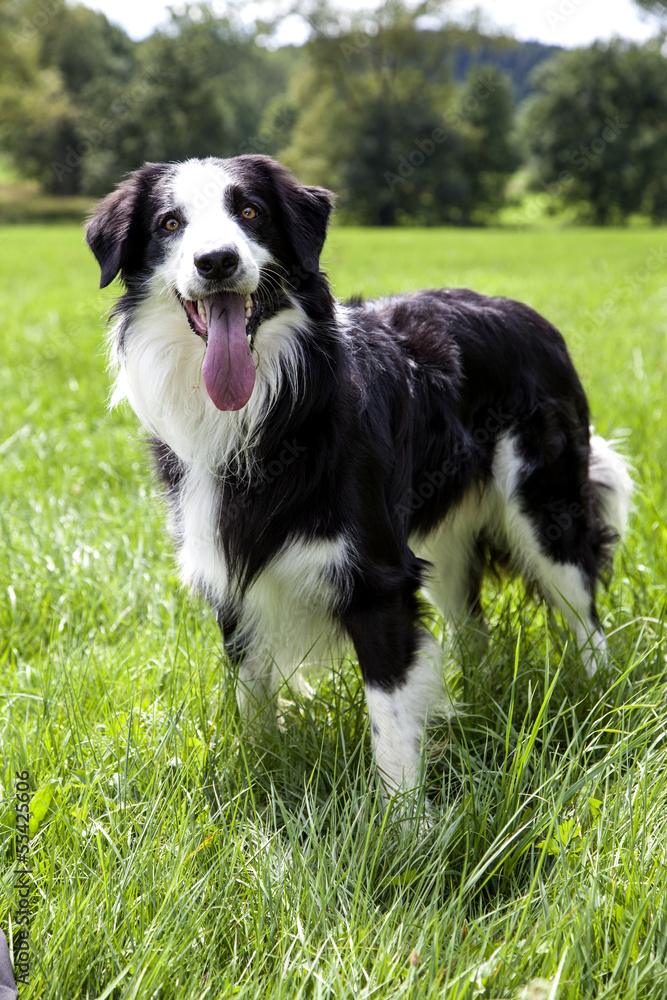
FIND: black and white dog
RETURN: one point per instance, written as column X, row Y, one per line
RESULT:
column 323, row 462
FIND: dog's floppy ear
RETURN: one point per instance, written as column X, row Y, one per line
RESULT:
column 306, row 212
column 117, row 231
column 109, row 229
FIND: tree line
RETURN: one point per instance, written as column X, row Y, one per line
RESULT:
column 409, row 118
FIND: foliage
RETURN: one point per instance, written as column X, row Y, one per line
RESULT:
column 489, row 154
column 37, row 112
column 98, row 104
column 657, row 9
column 408, row 117
column 380, row 120
column 368, row 107
column 172, row 854
column 200, row 90
column 598, row 130
column 516, row 60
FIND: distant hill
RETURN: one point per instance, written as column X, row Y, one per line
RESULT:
column 517, row 59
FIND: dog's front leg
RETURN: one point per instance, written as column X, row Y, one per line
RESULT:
column 401, row 665
column 255, row 673
column 256, row 686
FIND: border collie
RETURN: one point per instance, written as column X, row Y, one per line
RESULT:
column 325, row 462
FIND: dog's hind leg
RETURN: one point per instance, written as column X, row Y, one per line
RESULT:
column 453, row 584
column 567, row 570
column 566, row 588
column 256, row 686
column 456, row 562
column 560, row 531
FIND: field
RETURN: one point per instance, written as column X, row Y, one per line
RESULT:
column 170, row 856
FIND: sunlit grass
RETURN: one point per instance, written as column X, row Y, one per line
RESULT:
column 174, row 857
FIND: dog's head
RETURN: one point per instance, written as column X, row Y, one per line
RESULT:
column 228, row 239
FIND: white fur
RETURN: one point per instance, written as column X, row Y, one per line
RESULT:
column 398, row 717
column 562, row 584
column 289, row 611
column 158, row 369
column 289, row 607
column 496, row 510
column 449, row 550
column 194, row 525
column 610, row 470
column 198, row 189
column 159, row 373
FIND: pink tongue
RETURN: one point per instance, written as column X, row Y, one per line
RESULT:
column 228, row 370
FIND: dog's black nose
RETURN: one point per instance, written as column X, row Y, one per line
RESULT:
column 217, row 264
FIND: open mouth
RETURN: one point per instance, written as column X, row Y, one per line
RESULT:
column 199, row 313
column 226, row 322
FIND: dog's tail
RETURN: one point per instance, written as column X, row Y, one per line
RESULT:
column 612, row 488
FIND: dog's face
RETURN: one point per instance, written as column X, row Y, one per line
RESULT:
column 227, row 239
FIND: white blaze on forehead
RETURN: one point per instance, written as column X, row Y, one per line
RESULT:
column 199, row 187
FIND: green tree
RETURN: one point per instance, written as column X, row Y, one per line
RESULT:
column 657, row 9
column 489, row 152
column 597, row 130
column 37, row 114
column 94, row 59
column 200, row 89
column 379, row 120
column 84, row 103
column 84, row 47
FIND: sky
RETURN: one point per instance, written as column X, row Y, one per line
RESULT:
column 558, row 22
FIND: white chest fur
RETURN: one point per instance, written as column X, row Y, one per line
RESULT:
column 289, row 607
column 195, row 523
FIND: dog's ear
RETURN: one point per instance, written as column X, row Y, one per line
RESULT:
column 109, row 229
column 306, row 212
column 118, row 229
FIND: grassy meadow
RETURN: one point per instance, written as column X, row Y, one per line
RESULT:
column 171, row 856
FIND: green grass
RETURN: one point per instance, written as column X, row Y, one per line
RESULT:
column 173, row 857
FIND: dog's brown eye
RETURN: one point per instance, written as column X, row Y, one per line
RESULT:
column 171, row 224
column 249, row 212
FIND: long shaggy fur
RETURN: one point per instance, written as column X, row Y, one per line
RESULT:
column 387, row 447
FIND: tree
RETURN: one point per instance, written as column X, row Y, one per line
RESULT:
column 199, row 89
column 597, row 130
column 37, row 114
column 656, row 9
column 368, row 106
column 489, row 151
column 380, row 120
column 83, row 103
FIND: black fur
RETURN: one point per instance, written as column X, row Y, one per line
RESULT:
column 399, row 408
